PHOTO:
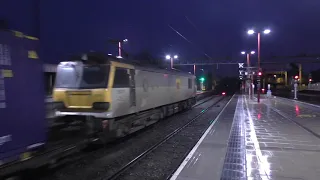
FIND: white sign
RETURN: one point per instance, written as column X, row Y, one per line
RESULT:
column 240, row 65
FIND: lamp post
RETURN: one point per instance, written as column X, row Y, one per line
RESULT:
column 119, row 42
column 168, row 57
column 120, row 46
column 248, row 70
column 251, row 32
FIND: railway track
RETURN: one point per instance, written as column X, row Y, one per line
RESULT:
column 163, row 142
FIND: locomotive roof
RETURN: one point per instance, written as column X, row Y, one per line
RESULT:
column 102, row 59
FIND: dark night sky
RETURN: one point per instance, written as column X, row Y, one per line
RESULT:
column 69, row 26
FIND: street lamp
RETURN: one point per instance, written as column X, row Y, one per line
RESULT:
column 119, row 42
column 248, row 66
column 248, row 56
column 168, row 57
column 251, row 32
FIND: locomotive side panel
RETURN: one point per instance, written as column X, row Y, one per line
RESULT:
column 154, row 89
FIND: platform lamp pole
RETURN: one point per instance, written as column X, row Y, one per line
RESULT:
column 168, row 57
column 296, row 87
column 250, row 32
column 250, row 87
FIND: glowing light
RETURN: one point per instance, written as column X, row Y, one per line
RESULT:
column 251, row 32
column 253, row 52
column 266, row 31
column 259, row 116
column 223, row 93
column 243, row 52
column 297, row 110
column 168, row 57
column 296, row 77
column 175, row 56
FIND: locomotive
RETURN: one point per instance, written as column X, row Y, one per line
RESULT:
column 112, row 97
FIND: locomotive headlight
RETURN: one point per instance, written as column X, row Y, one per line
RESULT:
column 58, row 105
column 100, row 105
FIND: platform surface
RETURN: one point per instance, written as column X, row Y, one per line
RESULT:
column 276, row 139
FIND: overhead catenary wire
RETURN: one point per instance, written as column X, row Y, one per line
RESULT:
column 189, row 41
column 198, row 30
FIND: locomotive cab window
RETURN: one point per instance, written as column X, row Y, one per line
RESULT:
column 82, row 77
column 121, row 78
column 190, row 83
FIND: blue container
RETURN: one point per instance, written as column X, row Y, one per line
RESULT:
column 22, row 109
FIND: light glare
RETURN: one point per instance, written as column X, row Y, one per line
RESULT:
column 175, row 56
column 251, row 32
column 168, row 57
column 242, row 52
column 253, row 52
column 267, row 31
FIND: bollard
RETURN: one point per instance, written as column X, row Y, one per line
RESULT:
column 252, row 90
column 269, row 91
column 295, row 89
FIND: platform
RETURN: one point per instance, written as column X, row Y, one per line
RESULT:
column 276, row 139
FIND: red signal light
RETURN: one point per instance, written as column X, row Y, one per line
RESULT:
column 310, row 80
column 260, row 73
column 296, row 77
column 223, row 93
